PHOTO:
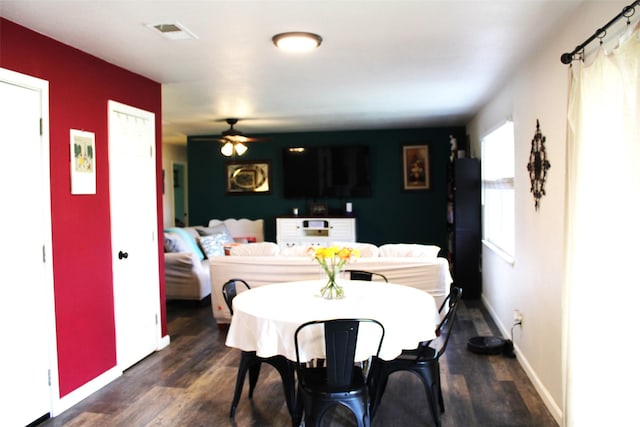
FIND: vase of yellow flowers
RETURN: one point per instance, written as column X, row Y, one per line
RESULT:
column 332, row 259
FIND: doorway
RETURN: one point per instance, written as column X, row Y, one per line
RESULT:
column 132, row 159
column 179, row 193
column 29, row 366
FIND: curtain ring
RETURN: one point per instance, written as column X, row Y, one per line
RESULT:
column 628, row 12
column 602, row 33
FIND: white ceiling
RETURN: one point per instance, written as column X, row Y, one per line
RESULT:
column 382, row 64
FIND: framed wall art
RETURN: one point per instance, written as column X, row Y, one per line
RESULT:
column 415, row 167
column 83, row 162
column 248, row 177
column 538, row 165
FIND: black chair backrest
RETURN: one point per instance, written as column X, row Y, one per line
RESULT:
column 341, row 337
column 229, row 291
column 443, row 331
column 364, row 275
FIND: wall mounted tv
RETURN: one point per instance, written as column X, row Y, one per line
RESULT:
column 327, row 172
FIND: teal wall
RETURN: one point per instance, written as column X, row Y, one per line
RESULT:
column 390, row 215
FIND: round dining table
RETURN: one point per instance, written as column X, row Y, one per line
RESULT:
column 265, row 318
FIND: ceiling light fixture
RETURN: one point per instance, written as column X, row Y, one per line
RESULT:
column 297, row 41
column 240, row 148
column 231, row 147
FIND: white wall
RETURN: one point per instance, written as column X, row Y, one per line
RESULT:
column 534, row 283
column 171, row 153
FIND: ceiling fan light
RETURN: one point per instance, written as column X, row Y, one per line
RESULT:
column 297, row 41
column 237, row 139
column 240, row 148
column 227, row 149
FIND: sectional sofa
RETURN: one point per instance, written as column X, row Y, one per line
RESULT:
column 428, row 273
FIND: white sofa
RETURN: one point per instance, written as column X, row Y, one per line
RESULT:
column 187, row 249
column 429, row 273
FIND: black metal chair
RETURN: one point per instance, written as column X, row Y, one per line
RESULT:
column 364, row 275
column 422, row 361
column 339, row 380
column 250, row 361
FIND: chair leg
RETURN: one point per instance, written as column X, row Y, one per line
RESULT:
column 378, row 384
column 299, row 409
column 435, row 405
column 286, row 369
column 439, row 388
column 254, row 373
column 246, row 360
column 431, row 390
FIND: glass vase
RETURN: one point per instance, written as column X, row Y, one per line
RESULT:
column 331, row 290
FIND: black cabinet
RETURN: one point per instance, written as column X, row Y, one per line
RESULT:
column 465, row 226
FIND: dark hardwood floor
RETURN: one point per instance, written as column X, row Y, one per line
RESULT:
column 190, row 383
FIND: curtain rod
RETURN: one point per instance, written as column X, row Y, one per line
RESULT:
column 627, row 12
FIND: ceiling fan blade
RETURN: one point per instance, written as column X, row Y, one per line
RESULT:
column 232, row 135
column 206, row 138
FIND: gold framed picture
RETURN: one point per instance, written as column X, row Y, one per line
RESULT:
column 248, row 177
column 415, row 167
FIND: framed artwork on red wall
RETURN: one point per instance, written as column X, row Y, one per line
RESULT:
column 83, row 162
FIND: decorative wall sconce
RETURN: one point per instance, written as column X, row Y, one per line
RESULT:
column 538, row 165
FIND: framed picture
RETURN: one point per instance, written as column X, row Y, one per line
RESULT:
column 248, row 177
column 415, row 167
column 83, row 162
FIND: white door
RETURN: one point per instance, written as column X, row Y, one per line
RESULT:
column 132, row 178
column 26, row 290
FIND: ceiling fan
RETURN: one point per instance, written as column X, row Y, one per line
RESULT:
column 232, row 139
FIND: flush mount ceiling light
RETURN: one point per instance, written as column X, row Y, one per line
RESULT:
column 297, row 41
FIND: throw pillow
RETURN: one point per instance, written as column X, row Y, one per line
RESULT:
column 215, row 230
column 188, row 239
column 409, row 250
column 367, row 250
column 297, row 251
column 255, row 249
column 174, row 243
column 213, row 245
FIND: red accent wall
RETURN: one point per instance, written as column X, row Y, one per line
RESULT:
column 79, row 87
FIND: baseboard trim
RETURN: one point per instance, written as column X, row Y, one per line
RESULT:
column 84, row 391
column 164, row 342
column 550, row 403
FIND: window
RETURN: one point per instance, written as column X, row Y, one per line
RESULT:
column 498, row 190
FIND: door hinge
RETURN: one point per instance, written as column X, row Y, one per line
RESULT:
column 41, row 125
column 156, row 316
column 49, row 377
column 44, row 254
column 151, row 151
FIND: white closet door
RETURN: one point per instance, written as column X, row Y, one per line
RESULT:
column 132, row 170
column 26, row 294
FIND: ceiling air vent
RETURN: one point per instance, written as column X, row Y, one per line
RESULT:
column 175, row 31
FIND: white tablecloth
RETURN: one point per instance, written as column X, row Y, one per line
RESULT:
column 265, row 318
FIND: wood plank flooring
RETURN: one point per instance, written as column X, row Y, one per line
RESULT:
column 191, row 382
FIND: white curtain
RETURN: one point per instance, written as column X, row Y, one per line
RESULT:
column 602, row 283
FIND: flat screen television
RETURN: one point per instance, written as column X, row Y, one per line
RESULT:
column 327, row 172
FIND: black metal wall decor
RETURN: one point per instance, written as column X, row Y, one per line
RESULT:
column 538, row 165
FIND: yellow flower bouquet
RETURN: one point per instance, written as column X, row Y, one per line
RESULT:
column 332, row 259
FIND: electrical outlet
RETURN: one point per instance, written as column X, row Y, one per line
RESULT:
column 517, row 317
